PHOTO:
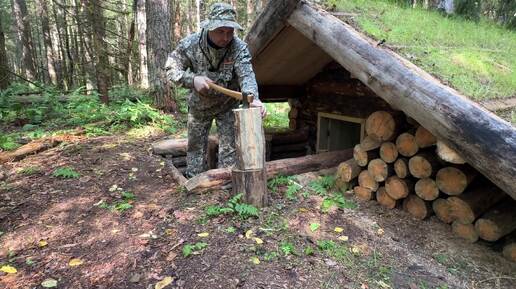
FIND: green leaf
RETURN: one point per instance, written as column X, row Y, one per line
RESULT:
column 128, row 196
column 314, row 226
column 66, row 172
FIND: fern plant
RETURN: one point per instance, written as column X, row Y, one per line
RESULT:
column 66, row 173
column 233, row 206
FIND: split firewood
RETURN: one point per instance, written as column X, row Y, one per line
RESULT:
column 216, row 178
column 388, row 152
column 423, row 165
column 406, row 144
column 448, row 154
column 468, row 206
column 363, row 157
column 380, row 170
column 498, row 221
column 381, row 125
column 401, row 168
column 426, row 189
column 442, row 210
column 398, row 188
column 424, row 138
column 418, row 208
column 384, row 199
column 366, row 180
column 363, row 194
column 454, row 180
column 176, row 174
column 348, row 170
column 465, row 231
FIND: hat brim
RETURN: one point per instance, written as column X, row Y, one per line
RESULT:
column 214, row 24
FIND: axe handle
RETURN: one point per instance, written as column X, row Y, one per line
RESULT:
column 228, row 92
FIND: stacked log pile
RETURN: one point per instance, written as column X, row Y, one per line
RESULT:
column 401, row 164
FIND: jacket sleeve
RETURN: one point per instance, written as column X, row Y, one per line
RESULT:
column 179, row 67
column 244, row 72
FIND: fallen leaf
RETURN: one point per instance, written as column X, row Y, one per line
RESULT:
column 75, row 262
column 164, row 283
column 380, row 232
column 355, row 250
column 203, row 235
column 49, row 283
column 339, row 229
column 8, row 269
column 258, row 241
column 42, row 243
column 254, row 260
column 344, row 238
column 249, row 234
column 303, row 210
column 314, row 226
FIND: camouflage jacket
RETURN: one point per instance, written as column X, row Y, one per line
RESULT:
column 190, row 58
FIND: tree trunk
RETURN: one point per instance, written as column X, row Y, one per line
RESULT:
column 441, row 110
column 158, row 48
column 4, row 66
column 24, row 38
column 141, row 23
column 250, row 13
column 363, row 156
column 215, row 179
column 97, row 22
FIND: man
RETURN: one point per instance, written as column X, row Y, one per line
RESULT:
column 216, row 55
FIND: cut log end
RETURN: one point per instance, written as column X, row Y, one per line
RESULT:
column 448, row 154
column 460, row 210
column 401, row 168
column 406, row 145
column 348, row 170
column 452, row 181
column 417, row 207
column 509, row 252
column 363, row 194
column 424, row 138
column 398, row 188
column 441, row 209
column 488, row 230
column 378, row 169
column 388, row 152
column 384, row 199
column 381, row 126
column 427, row 189
column 422, row 166
column 366, row 180
column 465, row 231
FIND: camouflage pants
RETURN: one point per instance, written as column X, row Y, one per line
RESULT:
column 198, row 130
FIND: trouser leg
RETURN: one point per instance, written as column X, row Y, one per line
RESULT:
column 196, row 156
column 226, row 129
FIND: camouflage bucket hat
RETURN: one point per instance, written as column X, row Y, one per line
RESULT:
column 221, row 15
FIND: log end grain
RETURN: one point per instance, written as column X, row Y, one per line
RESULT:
column 427, row 189
column 509, row 252
column 380, row 125
column 460, row 210
column 397, row 188
column 441, row 209
column 363, row 194
column 451, row 181
column 417, row 207
column 465, row 231
column 388, row 152
column 378, row 169
column 488, row 230
column 401, row 168
column 406, row 145
column 384, row 199
column 420, row 167
column 366, row 180
column 424, row 138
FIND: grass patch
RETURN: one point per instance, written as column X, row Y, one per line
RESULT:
column 478, row 59
column 277, row 116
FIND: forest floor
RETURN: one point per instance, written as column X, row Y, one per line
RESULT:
column 117, row 220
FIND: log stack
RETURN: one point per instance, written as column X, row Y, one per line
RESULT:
column 401, row 164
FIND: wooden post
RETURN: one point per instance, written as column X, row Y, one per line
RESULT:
column 249, row 176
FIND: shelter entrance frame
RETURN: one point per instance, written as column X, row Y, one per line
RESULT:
column 337, row 132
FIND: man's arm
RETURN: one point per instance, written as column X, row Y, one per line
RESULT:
column 178, row 66
column 244, row 72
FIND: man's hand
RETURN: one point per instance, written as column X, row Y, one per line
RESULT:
column 201, row 84
column 258, row 103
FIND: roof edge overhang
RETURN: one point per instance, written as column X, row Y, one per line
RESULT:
column 487, row 142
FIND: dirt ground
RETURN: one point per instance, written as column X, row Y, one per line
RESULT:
column 47, row 221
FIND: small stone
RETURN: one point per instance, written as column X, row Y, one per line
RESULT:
column 135, row 278
column 330, row 262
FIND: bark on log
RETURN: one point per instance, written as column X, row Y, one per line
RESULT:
column 468, row 206
column 424, row 138
column 348, row 170
column 454, row 180
column 178, row 161
column 33, row 147
column 417, row 207
column 406, row 144
column 497, row 222
column 388, row 152
column 251, row 184
column 448, row 154
column 215, row 179
column 176, row 174
column 363, row 157
column 366, row 180
column 445, row 113
column 381, row 126
column 398, row 188
column 442, row 210
column 465, row 231
column 380, row 170
column 427, row 189
column 384, row 199
column 363, row 194
column 423, row 165
column 177, row 147
column 401, row 168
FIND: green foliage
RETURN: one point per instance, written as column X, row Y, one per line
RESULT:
column 287, row 248
column 28, row 171
column 233, row 206
column 288, row 181
column 65, row 173
column 325, row 245
column 468, row 9
column 322, row 185
column 7, row 143
column 309, row 251
column 277, row 115
column 190, row 249
column 120, row 206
